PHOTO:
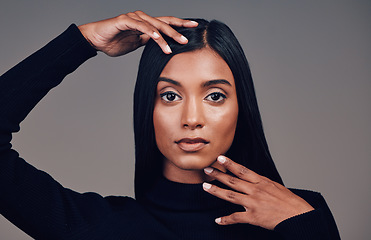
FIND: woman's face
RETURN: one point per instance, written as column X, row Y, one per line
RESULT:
column 195, row 113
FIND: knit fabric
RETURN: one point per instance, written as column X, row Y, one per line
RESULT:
column 33, row 201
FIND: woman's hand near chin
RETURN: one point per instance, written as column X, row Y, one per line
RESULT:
column 266, row 202
column 125, row 33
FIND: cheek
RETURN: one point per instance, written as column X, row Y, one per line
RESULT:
column 164, row 127
column 224, row 126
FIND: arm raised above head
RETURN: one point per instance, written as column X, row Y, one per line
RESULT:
column 30, row 198
column 126, row 32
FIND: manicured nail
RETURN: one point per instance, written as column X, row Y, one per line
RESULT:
column 218, row 220
column 190, row 24
column 222, row 159
column 208, row 170
column 155, row 35
column 168, row 49
column 206, row 186
column 183, row 39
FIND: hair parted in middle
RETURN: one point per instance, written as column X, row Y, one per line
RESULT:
column 249, row 146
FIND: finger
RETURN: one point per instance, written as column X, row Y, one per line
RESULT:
column 164, row 27
column 238, row 217
column 228, row 195
column 239, row 170
column 131, row 22
column 229, row 180
column 174, row 21
column 144, row 39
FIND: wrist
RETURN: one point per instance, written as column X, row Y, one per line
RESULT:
column 84, row 32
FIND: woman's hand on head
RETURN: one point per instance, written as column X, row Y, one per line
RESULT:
column 266, row 202
column 125, row 33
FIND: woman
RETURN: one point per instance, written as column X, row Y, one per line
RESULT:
column 194, row 104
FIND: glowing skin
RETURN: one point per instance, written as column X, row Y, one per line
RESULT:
column 195, row 114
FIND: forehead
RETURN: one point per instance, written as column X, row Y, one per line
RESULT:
column 197, row 66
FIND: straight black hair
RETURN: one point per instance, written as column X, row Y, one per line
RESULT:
column 249, row 146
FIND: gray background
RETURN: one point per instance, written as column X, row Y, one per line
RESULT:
column 311, row 66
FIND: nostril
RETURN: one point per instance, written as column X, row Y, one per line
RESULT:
column 192, row 126
column 192, row 115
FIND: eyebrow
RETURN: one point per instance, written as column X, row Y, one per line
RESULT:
column 216, row 81
column 206, row 84
column 169, row 81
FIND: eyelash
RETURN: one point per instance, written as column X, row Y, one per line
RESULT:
column 218, row 94
column 166, row 94
column 208, row 97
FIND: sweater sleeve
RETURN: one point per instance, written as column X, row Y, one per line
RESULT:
column 318, row 224
column 30, row 198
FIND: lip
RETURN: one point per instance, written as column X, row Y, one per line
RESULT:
column 191, row 144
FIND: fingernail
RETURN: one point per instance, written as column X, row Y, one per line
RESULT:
column 222, row 159
column 191, row 24
column 208, row 170
column 184, row 39
column 218, row 220
column 206, row 186
column 155, row 35
column 168, row 49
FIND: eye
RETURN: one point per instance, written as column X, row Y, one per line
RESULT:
column 170, row 96
column 216, row 97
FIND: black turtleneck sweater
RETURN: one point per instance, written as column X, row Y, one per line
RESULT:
column 41, row 207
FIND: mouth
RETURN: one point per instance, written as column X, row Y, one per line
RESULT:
column 191, row 144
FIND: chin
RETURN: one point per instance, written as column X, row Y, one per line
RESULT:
column 194, row 162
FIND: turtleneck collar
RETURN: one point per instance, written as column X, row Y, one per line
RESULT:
column 182, row 196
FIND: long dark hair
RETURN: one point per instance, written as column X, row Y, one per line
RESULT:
column 249, row 146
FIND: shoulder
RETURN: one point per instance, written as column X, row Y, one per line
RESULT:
column 120, row 201
column 125, row 206
column 312, row 197
column 125, row 203
column 316, row 224
column 305, row 192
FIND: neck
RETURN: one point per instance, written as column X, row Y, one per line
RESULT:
column 190, row 176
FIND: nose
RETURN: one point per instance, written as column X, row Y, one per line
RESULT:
column 193, row 114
